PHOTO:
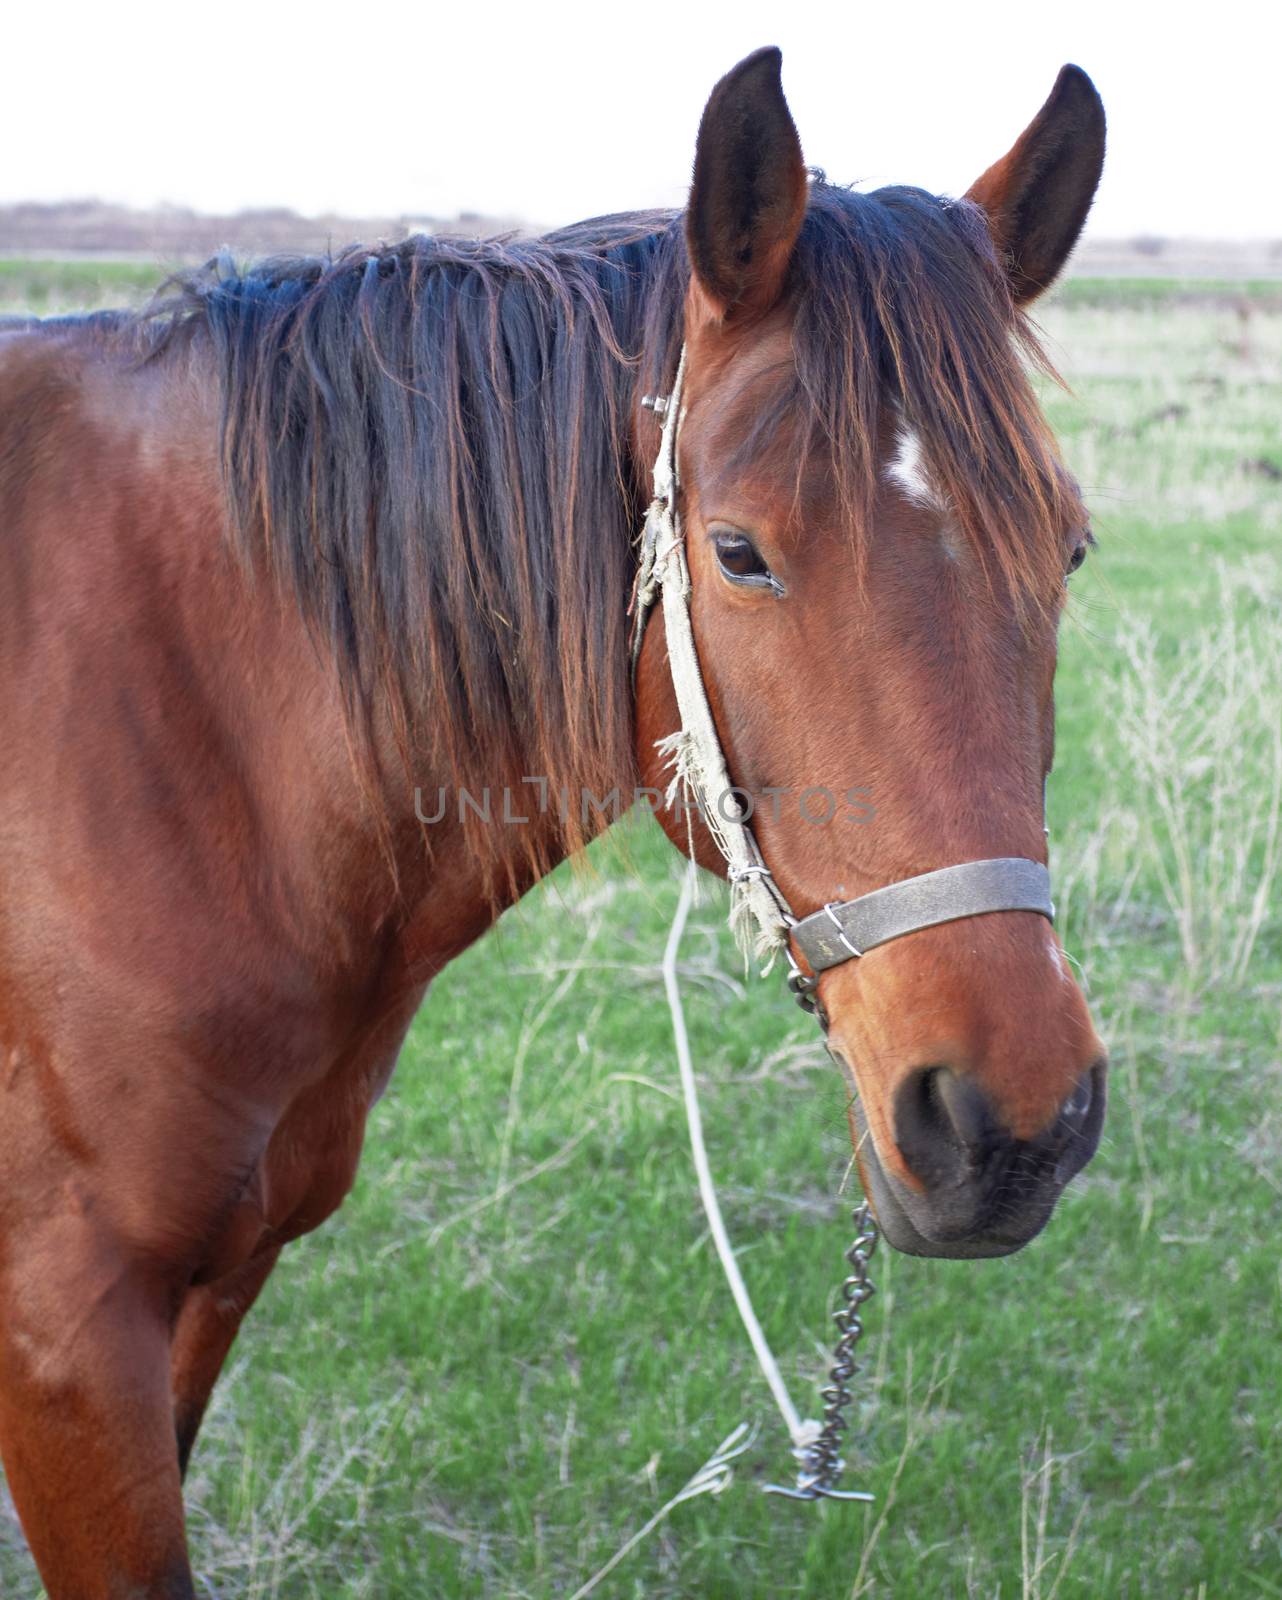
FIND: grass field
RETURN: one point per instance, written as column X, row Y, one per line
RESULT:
column 513, row 1346
column 45, row 288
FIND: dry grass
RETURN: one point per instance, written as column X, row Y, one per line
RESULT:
column 1202, row 727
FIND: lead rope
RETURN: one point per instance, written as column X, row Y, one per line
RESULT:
column 698, row 764
column 817, row 1446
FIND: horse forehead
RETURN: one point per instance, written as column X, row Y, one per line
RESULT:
column 776, row 487
column 746, row 445
column 735, row 375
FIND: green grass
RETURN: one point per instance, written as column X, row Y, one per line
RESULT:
column 513, row 1345
column 45, row 288
column 1119, row 293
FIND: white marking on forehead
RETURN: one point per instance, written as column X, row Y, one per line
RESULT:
column 907, row 469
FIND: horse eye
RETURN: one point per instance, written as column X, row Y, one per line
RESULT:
column 1077, row 557
column 741, row 561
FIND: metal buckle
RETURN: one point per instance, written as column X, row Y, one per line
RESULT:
column 803, row 987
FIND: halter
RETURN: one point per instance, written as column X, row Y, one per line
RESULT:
column 843, row 930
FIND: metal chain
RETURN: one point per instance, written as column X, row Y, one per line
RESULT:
column 823, row 1461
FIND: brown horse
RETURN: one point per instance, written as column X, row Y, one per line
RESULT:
column 307, row 539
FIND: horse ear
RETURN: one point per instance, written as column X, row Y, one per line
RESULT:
column 748, row 197
column 1038, row 194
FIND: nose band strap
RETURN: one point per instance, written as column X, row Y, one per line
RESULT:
column 1003, row 883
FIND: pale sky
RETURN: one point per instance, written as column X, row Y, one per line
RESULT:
column 554, row 112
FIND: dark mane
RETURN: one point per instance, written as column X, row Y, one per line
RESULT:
column 428, row 443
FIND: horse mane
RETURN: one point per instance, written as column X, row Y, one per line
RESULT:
column 429, row 445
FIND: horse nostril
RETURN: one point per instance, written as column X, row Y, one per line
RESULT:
column 1076, row 1130
column 949, row 1131
column 967, row 1108
column 939, row 1116
column 1075, row 1113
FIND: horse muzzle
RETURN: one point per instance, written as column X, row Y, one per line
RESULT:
column 977, row 1190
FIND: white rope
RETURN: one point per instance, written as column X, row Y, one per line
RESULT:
column 757, row 916
column 698, row 764
column 803, row 1432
